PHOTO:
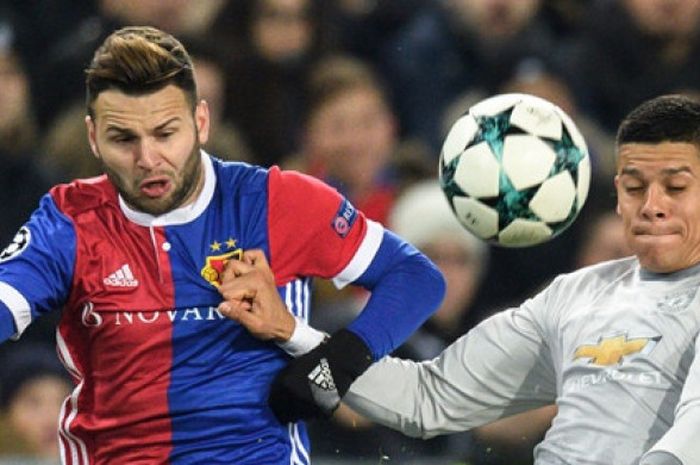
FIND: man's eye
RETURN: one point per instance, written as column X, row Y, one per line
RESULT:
column 123, row 139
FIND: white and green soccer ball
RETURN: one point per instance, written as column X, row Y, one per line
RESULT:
column 515, row 170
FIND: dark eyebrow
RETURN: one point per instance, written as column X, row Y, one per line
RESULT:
column 680, row 169
column 166, row 123
column 631, row 171
column 113, row 128
column 119, row 130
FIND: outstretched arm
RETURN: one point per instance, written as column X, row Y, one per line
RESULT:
column 498, row 369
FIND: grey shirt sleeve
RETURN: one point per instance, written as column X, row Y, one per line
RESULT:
column 500, row 368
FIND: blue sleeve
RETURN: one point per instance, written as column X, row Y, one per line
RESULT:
column 7, row 323
column 406, row 289
column 36, row 269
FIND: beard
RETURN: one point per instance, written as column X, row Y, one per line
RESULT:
column 184, row 184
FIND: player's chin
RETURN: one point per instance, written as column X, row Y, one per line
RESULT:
column 661, row 258
column 156, row 206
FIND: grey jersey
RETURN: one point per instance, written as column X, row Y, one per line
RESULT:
column 613, row 345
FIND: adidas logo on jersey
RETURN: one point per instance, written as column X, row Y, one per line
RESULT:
column 123, row 277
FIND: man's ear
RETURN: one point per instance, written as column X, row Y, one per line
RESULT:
column 92, row 135
column 202, row 121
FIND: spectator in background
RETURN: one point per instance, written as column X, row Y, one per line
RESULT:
column 351, row 136
column 444, row 52
column 33, row 385
column 272, row 45
column 632, row 50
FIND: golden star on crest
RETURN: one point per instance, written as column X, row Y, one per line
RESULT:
column 215, row 246
column 231, row 243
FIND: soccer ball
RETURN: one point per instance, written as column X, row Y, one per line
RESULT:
column 515, row 170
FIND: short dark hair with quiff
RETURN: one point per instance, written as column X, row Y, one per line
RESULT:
column 139, row 60
column 668, row 118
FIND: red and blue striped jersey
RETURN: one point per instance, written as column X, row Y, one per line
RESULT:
column 161, row 376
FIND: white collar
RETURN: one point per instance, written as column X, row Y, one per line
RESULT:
column 180, row 215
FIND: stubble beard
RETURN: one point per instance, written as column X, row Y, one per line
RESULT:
column 189, row 177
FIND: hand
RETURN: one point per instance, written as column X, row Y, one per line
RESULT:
column 312, row 385
column 251, row 298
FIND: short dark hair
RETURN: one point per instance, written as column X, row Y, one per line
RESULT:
column 139, row 60
column 668, row 118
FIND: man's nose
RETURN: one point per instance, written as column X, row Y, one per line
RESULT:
column 654, row 203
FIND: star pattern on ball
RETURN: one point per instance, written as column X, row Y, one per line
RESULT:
column 515, row 170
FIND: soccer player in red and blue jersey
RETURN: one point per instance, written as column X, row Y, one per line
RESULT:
column 133, row 260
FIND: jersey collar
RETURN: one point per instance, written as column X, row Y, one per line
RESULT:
column 180, row 215
column 646, row 275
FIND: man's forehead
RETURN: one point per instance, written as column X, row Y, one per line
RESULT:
column 116, row 108
column 665, row 157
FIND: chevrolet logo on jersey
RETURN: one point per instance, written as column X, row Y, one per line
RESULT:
column 215, row 265
column 610, row 350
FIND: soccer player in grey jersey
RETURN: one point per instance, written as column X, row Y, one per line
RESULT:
column 614, row 345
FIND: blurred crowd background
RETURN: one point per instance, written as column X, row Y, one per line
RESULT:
column 359, row 93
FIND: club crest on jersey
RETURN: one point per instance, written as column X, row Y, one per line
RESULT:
column 18, row 244
column 215, row 264
column 344, row 218
column 677, row 301
column 610, row 351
